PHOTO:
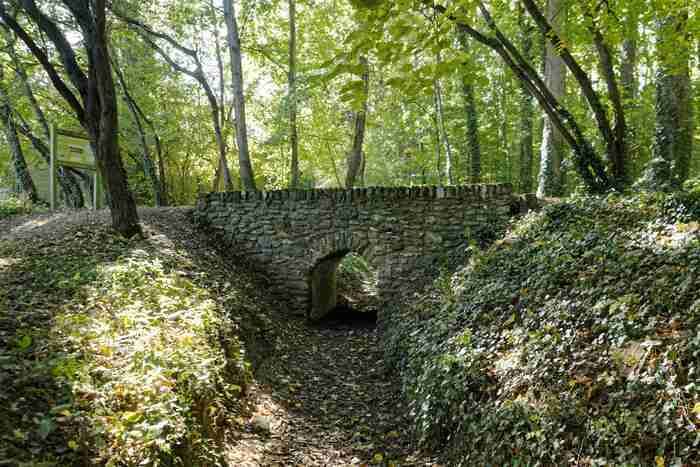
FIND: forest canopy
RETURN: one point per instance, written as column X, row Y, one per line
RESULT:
column 552, row 97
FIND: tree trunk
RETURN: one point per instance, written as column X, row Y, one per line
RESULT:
column 552, row 149
column 98, row 111
column 355, row 156
column 103, row 126
column 437, row 89
column 292, row 79
column 147, row 161
column 526, row 110
column 673, row 140
column 19, row 164
column 628, row 78
column 587, row 162
column 472, row 116
column 234, row 47
column 443, row 131
column 222, row 170
column 363, row 166
column 161, row 173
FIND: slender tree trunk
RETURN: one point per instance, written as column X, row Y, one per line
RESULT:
column 526, row 110
column 19, row 164
column 438, row 143
column 146, row 161
column 471, row 114
column 222, row 169
column 197, row 73
column 234, row 47
column 628, row 78
column 355, row 155
column 292, row 80
column 504, row 137
column 552, row 149
column 161, row 173
column 442, row 130
column 362, row 169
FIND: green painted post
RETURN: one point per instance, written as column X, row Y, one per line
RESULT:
column 52, row 167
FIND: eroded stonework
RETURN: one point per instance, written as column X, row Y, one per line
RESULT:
column 287, row 234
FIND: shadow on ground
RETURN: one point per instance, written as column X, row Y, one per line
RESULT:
column 322, row 395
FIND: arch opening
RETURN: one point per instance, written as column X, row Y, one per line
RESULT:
column 344, row 289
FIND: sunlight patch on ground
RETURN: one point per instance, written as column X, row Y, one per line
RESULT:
column 32, row 224
column 8, row 262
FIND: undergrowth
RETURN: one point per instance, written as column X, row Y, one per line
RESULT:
column 571, row 341
column 113, row 353
column 15, row 206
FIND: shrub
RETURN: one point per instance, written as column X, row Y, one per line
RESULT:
column 574, row 340
column 14, row 206
column 119, row 353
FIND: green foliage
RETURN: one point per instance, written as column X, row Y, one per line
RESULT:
column 15, row 206
column 572, row 340
column 357, row 282
column 159, row 381
column 119, row 357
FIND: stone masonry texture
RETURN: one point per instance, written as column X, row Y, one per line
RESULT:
column 286, row 233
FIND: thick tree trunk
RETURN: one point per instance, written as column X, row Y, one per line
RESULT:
column 103, row 126
column 526, row 111
column 292, row 83
column 553, row 144
column 234, row 47
column 355, row 156
column 472, row 116
column 672, row 150
column 19, row 164
column 98, row 111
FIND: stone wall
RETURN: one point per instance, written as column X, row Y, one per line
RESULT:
column 292, row 235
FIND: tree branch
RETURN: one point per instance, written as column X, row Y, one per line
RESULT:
column 608, row 73
column 43, row 59
column 579, row 74
column 65, row 51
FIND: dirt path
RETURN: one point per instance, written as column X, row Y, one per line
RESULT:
column 329, row 401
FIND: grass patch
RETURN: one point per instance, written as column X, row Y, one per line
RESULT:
column 114, row 352
column 571, row 341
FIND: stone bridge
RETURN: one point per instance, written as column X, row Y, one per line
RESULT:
column 297, row 238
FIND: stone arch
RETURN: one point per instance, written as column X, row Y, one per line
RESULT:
column 325, row 256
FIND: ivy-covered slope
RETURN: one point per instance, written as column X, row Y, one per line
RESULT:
column 572, row 341
column 118, row 352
